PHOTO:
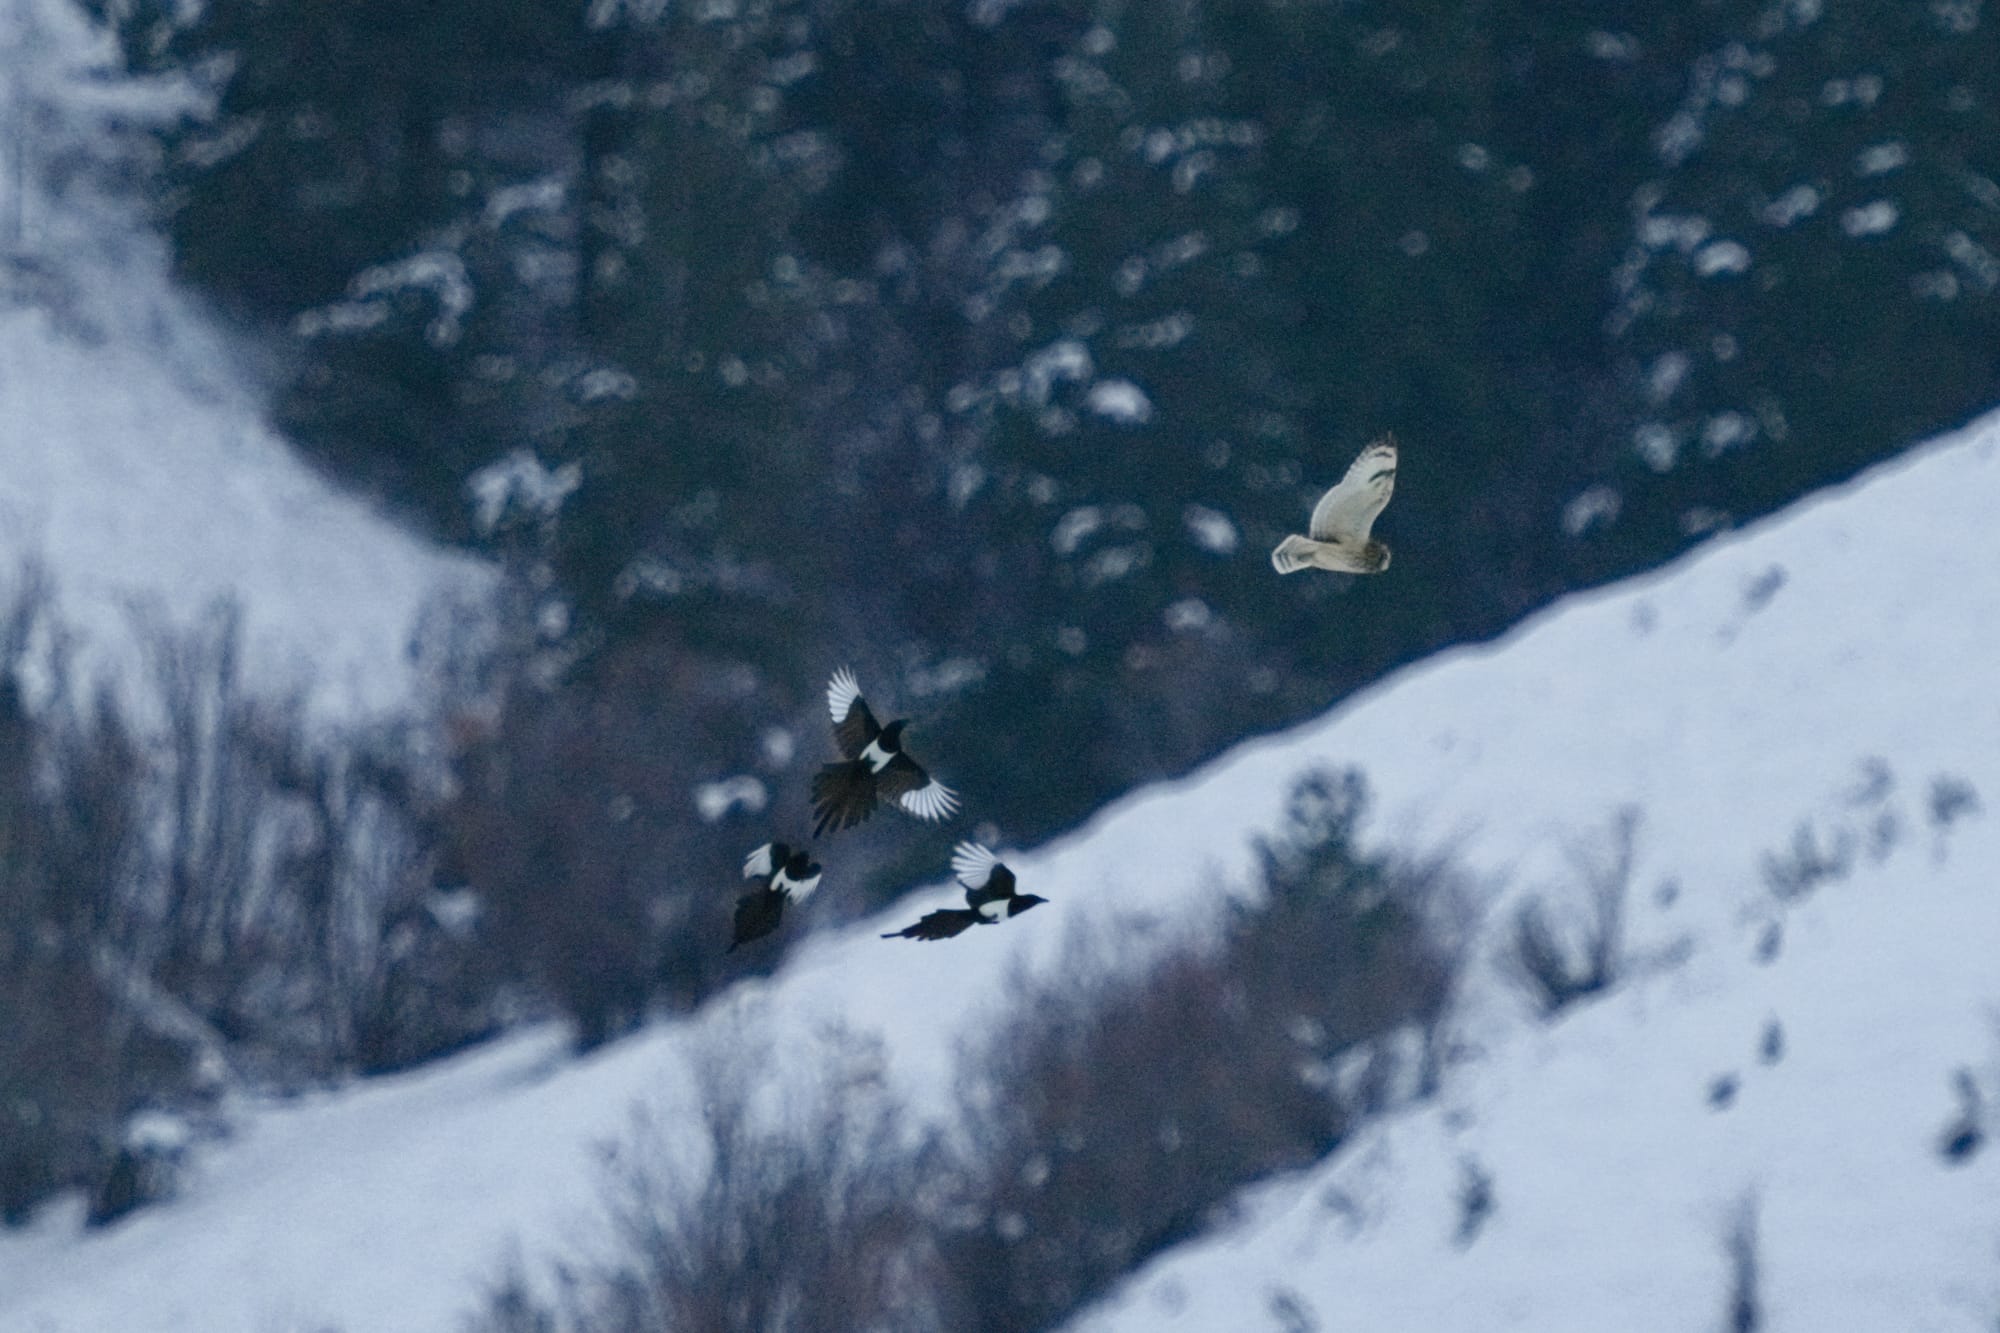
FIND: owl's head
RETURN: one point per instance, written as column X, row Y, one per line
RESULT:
column 1374, row 557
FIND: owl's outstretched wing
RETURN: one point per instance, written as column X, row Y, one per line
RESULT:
column 1349, row 510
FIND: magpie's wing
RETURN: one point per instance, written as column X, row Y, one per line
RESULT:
column 905, row 782
column 853, row 725
column 760, row 863
column 800, row 889
column 1348, row 511
column 984, row 875
column 939, row 925
column 843, row 794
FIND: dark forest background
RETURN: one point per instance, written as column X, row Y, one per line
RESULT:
column 811, row 298
column 987, row 347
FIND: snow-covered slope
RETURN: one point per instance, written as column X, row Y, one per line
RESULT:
column 1825, row 682
column 1831, row 667
column 1613, row 1154
column 135, row 464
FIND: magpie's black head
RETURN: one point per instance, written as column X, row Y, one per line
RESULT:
column 800, row 866
column 892, row 735
column 1021, row 902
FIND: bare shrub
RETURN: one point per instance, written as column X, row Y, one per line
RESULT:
column 574, row 821
column 210, row 804
column 76, row 1053
column 210, row 894
column 1117, row 1108
column 1743, row 1311
column 1107, row 1116
column 1792, row 875
column 55, row 1101
column 1475, row 1201
column 282, row 860
column 1110, row 1115
column 1951, row 799
column 814, row 1223
column 359, row 959
column 1963, row 1137
column 1558, row 970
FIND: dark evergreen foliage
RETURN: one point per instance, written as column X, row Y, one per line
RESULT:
column 815, row 293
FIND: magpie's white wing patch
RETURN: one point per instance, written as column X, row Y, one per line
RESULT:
column 973, row 864
column 757, row 865
column 841, row 692
column 799, row 889
column 933, row 801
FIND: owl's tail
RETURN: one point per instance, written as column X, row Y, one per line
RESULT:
column 1294, row 553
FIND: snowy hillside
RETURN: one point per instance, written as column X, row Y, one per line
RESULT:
column 135, row 465
column 1590, row 1176
column 1818, row 692
column 1828, row 670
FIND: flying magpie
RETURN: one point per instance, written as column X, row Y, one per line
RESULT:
column 788, row 877
column 877, row 767
column 989, row 897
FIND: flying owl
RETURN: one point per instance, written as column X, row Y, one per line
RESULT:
column 1339, row 538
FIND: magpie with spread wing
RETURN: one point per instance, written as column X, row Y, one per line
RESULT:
column 990, row 896
column 787, row 875
column 876, row 768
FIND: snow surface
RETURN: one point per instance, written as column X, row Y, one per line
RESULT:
column 136, row 465
column 1826, row 667
column 1826, row 670
column 1823, row 670
column 134, row 487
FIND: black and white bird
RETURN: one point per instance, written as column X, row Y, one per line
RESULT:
column 1338, row 537
column 876, row 768
column 787, row 875
column 990, row 896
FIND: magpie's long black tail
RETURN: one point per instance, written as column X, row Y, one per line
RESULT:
column 843, row 795
column 939, row 925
